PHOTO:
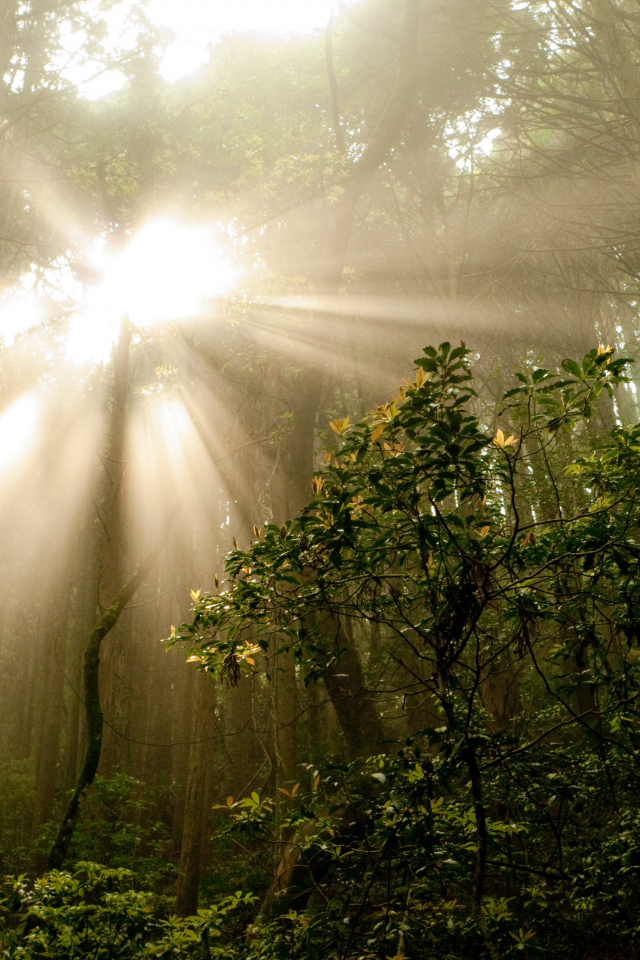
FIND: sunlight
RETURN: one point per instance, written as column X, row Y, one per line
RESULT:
column 167, row 272
column 168, row 460
column 175, row 422
column 17, row 428
column 18, row 315
column 195, row 26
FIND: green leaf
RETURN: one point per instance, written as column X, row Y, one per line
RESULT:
column 572, row 367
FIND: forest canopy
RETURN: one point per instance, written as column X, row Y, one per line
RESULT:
column 310, row 648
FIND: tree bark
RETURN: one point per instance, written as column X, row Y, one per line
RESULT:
column 355, row 708
column 49, row 746
column 112, row 547
column 92, row 704
column 189, row 869
column 286, row 704
column 239, row 706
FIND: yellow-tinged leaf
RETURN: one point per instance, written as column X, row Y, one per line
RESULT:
column 339, row 426
column 195, row 594
column 229, row 802
column 316, row 781
column 194, row 660
column 173, row 631
column 377, row 433
column 500, row 440
column 484, row 531
column 294, row 789
column 251, row 661
column 285, row 791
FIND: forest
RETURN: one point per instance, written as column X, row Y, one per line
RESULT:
column 319, row 499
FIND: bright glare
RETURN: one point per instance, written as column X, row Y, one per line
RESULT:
column 195, row 25
column 17, row 427
column 167, row 272
column 17, row 315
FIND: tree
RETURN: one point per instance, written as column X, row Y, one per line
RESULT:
column 360, row 149
column 474, row 551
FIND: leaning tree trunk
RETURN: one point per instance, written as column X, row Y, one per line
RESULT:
column 92, row 701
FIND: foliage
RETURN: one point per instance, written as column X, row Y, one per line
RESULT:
column 480, row 562
column 502, row 577
column 123, row 827
column 423, row 523
column 388, row 847
column 95, row 911
column 499, row 572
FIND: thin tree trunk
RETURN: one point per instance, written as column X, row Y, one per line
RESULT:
column 49, row 746
column 189, row 869
column 239, row 708
column 329, row 277
column 112, row 546
column 92, row 704
column 286, row 702
column 23, row 741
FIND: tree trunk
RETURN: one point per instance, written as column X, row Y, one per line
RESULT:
column 329, row 277
column 49, row 747
column 111, row 560
column 360, row 722
column 240, row 744
column 92, row 704
column 286, row 704
column 189, row 869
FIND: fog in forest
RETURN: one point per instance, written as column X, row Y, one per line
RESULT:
column 227, row 235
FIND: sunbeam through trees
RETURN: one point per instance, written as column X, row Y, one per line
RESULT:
column 319, row 447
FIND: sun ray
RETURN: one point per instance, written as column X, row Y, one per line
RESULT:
column 17, row 429
column 168, row 271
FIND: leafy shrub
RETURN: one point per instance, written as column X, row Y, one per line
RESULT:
column 97, row 912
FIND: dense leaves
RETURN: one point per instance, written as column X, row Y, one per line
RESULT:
column 503, row 580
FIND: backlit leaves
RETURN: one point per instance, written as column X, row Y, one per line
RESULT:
column 501, row 441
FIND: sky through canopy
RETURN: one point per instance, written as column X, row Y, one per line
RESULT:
column 195, row 25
